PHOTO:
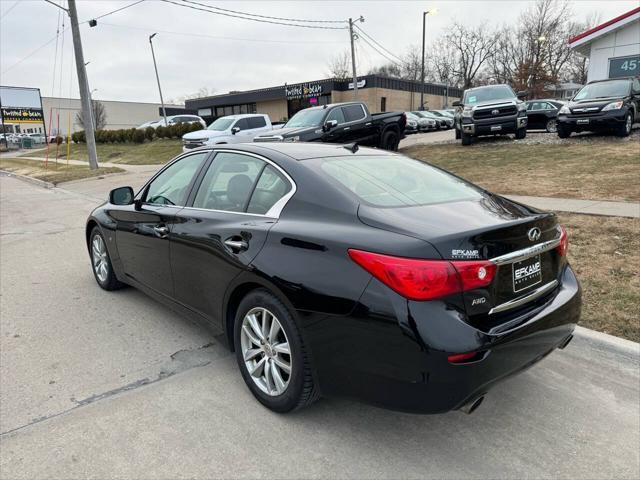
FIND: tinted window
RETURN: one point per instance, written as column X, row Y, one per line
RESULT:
column 395, row 181
column 336, row 114
column 242, row 124
column 636, row 85
column 229, row 182
column 171, row 187
column 353, row 113
column 256, row 122
column 271, row 187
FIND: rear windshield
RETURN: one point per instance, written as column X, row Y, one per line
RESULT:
column 396, row 181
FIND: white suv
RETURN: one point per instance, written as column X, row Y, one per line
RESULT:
column 229, row 129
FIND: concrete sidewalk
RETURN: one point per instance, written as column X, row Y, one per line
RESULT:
column 573, row 205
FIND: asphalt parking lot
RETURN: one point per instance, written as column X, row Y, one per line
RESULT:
column 96, row 384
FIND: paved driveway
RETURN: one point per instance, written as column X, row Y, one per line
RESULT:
column 97, row 384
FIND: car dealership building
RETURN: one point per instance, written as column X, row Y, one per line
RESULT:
column 380, row 93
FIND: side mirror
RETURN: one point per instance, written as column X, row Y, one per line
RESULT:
column 329, row 124
column 522, row 94
column 121, row 196
column 457, row 103
column 235, row 130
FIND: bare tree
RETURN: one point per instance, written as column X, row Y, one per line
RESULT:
column 442, row 63
column 472, row 47
column 98, row 113
column 340, row 66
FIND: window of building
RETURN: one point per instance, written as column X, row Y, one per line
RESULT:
column 204, row 112
column 383, row 104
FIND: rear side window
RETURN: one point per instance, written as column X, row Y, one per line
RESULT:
column 396, row 181
column 271, row 187
column 256, row 122
column 228, row 183
column 353, row 113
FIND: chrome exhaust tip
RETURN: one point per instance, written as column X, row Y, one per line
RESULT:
column 472, row 406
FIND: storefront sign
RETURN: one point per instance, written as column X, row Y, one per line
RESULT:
column 361, row 84
column 624, row 66
column 22, row 115
column 305, row 90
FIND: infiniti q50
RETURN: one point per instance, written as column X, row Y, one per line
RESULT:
column 333, row 270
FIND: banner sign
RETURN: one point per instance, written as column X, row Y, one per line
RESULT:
column 22, row 115
column 305, row 90
column 624, row 66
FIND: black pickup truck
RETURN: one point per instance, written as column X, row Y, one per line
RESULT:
column 341, row 123
column 490, row 110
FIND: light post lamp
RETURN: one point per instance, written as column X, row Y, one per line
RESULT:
column 155, row 66
column 432, row 11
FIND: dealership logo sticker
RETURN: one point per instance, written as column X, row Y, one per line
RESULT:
column 465, row 253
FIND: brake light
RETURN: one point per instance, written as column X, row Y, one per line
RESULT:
column 418, row 279
column 462, row 357
column 563, row 246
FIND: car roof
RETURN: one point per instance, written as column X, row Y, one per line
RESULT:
column 244, row 115
column 331, row 105
column 301, row 150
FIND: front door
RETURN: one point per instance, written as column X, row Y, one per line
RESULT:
column 142, row 231
column 223, row 228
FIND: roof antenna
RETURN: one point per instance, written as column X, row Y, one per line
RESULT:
column 352, row 147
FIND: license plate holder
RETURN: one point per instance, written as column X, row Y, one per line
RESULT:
column 582, row 121
column 526, row 273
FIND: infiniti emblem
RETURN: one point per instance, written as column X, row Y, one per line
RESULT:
column 495, row 112
column 534, row 234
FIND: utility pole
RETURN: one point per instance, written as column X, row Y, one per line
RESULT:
column 433, row 11
column 83, row 84
column 353, row 55
column 164, row 112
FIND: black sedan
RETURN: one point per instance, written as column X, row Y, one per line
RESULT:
column 542, row 115
column 332, row 270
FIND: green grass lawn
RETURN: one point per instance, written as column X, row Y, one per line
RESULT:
column 603, row 169
column 52, row 173
column 148, row 153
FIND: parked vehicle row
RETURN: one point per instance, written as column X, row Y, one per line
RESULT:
column 611, row 105
column 173, row 120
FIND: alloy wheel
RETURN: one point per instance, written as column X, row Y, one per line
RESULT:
column 265, row 351
column 552, row 126
column 99, row 257
column 629, row 123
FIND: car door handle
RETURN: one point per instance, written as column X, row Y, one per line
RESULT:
column 161, row 231
column 236, row 246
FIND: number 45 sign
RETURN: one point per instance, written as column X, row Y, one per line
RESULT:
column 624, row 66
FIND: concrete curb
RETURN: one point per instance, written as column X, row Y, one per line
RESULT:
column 24, row 178
column 604, row 341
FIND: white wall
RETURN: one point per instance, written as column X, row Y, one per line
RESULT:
column 619, row 43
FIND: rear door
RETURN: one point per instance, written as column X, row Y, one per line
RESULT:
column 356, row 127
column 224, row 227
column 256, row 126
column 142, row 233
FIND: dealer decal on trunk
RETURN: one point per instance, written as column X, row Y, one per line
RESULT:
column 465, row 253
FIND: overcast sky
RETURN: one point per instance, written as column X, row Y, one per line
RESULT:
column 196, row 49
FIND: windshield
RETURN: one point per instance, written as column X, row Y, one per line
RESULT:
column 397, row 181
column 615, row 88
column 221, row 124
column 424, row 114
column 497, row 92
column 306, row 118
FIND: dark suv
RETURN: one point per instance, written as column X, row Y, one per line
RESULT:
column 490, row 110
column 612, row 105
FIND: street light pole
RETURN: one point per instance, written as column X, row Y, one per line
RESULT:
column 155, row 66
column 433, row 11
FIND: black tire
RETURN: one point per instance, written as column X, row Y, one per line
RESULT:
column 466, row 139
column 457, row 134
column 390, row 140
column 301, row 390
column 521, row 133
column 109, row 281
column 624, row 130
column 563, row 132
column 551, row 126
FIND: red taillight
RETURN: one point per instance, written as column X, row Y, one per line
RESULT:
column 462, row 357
column 564, row 242
column 418, row 279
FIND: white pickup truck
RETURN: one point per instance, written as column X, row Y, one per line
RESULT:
column 230, row 129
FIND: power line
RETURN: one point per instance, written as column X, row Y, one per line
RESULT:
column 379, row 45
column 117, row 10
column 9, row 9
column 297, row 20
column 251, row 19
column 33, row 52
column 216, row 37
column 381, row 53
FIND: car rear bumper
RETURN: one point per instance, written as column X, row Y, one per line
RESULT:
column 598, row 121
column 493, row 126
column 394, row 353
